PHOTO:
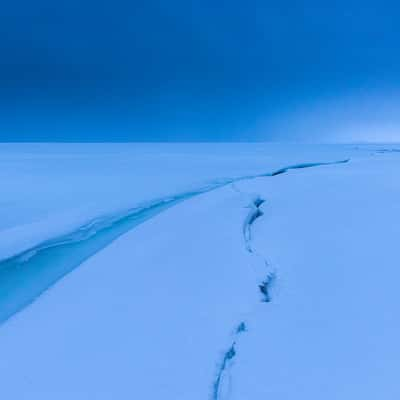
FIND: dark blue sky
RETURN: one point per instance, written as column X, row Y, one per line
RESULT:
column 197, row 70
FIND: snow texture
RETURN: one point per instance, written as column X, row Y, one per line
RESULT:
column 274, row 276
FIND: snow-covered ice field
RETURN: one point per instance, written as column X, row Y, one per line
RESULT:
column 203, row 271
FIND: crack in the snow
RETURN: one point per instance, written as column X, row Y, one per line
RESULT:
column 219, row 386
column 389, row 150
column 227, row 359
column 306, row 165
column 241, row 328
column 40, row 266
column 266, row 285
column 254, row 213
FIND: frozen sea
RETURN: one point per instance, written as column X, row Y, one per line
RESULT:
column 199, row 271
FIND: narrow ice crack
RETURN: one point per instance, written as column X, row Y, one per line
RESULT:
column 41, row 266
column 227, row 359
column 222, row 383
column 306, row 165
column 389, row 150
column 266, row 285
column 252, row 216
column 221, row 386
column 254, row 213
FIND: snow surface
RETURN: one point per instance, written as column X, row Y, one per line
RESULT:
column 280, row 286
column 48, row 190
